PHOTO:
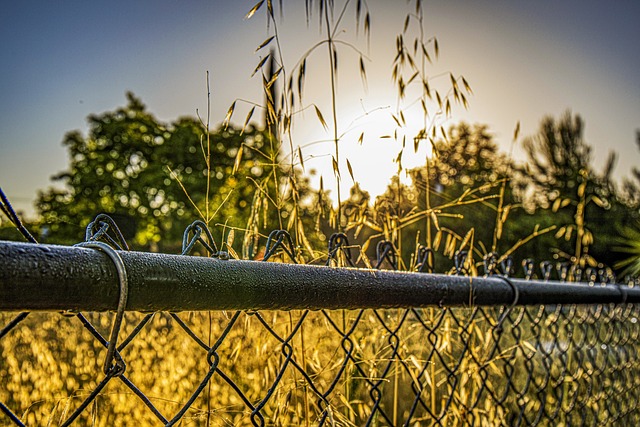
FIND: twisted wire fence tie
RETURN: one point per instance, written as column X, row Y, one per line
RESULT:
column 98, row 229
column 197, row 227
column 426, row 260
column 459, row 259
column 507, row 266
column 528, row 265
column 546, row 268
column 282, row 241
column 339, row 242
column 490, row 263
column 109, row 368
column 386, row 251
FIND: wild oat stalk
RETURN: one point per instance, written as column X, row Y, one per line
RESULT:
column 205, row 147
column 285, row 102
column 411, row 69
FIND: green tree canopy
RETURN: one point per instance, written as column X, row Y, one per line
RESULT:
column 152, row 177
column 462, row 184
column 556, row 155
column 585, row 205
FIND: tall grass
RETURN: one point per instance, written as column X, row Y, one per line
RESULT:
column 433, row 366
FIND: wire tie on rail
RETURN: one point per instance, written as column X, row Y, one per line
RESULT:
column 623, row 292
column 426, row 258
column 507, row 266
column 338, row 242
column 516, row 298
column 546, row 268
column 459, row 259
column 197, row 227
column 98, row 228
column 119, row 365
column 528, row 265
column 490, row 263
column 280, row 239
column 386, row 251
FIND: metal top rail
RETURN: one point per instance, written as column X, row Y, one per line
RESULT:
column 49, row 277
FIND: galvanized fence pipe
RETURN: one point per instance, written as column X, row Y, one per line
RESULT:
column 49, row 278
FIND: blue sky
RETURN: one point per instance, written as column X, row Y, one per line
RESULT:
column 65, row 60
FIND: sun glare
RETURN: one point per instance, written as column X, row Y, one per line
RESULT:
column 373, row 147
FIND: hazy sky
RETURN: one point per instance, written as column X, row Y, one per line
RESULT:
column 62, row 61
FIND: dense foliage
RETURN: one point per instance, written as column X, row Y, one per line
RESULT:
column 155, row 178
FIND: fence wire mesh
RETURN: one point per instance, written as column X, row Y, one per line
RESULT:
column 535, row 365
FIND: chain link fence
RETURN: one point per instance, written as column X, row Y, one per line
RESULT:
column 512, row 365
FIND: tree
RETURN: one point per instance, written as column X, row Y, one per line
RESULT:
column 585, row 205
column 556, row 155
column 155, row 178
column 464, row 185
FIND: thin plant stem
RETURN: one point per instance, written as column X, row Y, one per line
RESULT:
column 208, row 162
column 334, row 111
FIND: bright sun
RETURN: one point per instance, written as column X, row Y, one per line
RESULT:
column 370, row 143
